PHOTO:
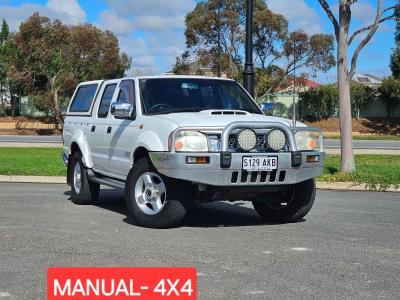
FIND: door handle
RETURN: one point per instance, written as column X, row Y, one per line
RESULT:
column 109, row 129
column 93, row 128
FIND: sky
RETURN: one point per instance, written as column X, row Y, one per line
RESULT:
column 152, row 31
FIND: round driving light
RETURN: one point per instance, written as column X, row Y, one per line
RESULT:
column 247, row 139
column 276, row 139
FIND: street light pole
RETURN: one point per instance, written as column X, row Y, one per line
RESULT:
column 219, row 38
column 294, row 80
column 248, row 72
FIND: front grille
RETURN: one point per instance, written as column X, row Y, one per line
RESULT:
column 261, row 143
column 244, row 177
column 232, row 142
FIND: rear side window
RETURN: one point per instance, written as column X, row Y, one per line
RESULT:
column 83, row 98
column 106, row 100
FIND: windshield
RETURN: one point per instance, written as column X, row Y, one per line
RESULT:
column 170, row 95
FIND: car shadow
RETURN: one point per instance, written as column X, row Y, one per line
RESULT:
column 214, row 214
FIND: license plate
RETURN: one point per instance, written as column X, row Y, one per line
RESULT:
column 260, row 163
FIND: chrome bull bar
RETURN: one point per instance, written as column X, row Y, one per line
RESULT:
column 256, row 125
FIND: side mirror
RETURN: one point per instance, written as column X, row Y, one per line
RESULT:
column 121, row 110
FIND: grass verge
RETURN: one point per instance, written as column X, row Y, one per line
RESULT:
column 377, row 171
column 31, row 161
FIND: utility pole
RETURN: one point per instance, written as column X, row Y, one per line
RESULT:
column 219, row 38
column 294, row 79
column 248, row 73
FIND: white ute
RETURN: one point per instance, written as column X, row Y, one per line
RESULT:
column 171, row 141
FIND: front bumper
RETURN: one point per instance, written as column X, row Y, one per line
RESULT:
column 175, row 165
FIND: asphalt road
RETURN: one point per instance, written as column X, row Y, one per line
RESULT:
column 365, row 144
column 31, row 138
column 330, row 144
column 347, row 247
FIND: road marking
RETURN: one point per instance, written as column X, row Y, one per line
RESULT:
column 268, row 252
column 300, row 249
column 256, row 293
column 5, row 294
column 200, row 274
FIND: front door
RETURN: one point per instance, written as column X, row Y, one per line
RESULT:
column 121, row 133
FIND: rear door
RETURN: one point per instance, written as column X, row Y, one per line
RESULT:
column 80, row 110
column 98, row 128
column 121, row 133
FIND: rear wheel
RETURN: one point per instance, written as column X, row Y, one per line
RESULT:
column 290, row 206
column 83, row 191
column 152, row 199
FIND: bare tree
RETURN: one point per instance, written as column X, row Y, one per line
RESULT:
column 343, row 39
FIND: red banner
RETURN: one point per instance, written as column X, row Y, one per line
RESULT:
column 122, row 283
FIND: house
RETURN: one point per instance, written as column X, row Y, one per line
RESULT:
column 378, row 108
column 282, row 100
column 368, row 80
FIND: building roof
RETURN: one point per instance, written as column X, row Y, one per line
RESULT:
column 367, row 79
column 311, row 84
column 301, row 86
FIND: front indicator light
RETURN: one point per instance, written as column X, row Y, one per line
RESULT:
column 312, row 159
column 308, row 140
column 197, row 160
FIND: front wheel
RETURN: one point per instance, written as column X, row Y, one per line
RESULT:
column 153, row 200
column 290, row 206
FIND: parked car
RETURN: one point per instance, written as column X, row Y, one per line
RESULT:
column 172, row 141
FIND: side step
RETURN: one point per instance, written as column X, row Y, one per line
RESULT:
column 111, row 182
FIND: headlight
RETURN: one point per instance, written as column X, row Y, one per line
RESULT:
column 308, row 140
column 276, row 139
column 190, row 141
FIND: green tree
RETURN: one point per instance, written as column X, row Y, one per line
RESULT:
column 395, row 58
column 5, row 32
column 182, row 64
column 319, row 103
column 390, row 93
column 52, row 58
column 4, row 57
column 361, row 97
column 272, row 43
column 270, row 32
column 202, row 26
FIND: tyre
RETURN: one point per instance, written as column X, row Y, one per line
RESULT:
column 290, row 206
column 83, row 191
column 153, row 200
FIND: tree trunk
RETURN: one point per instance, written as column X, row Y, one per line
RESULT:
column 3, row 112
column 57, row 108
column 13, row 103
column 346, row 130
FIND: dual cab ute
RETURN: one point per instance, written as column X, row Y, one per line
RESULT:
column 172, row 141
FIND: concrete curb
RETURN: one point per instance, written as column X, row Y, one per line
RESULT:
column 365, row 151
column 33, row 179
column 349, row 186
column 335, row 186
column 30, row 145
